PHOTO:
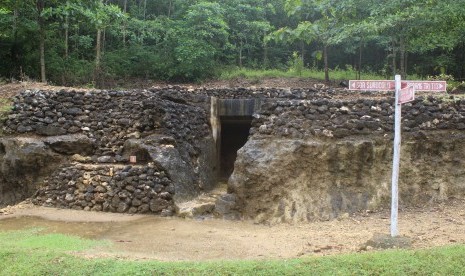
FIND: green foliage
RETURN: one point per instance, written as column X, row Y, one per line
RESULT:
column 296, row 64
column 338, row 74
column 182, row 40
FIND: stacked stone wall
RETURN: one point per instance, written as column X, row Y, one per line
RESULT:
column 342, row 118
column 132, row 189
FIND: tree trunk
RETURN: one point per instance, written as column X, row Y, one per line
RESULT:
column 66, row 36
column 325, row 57
column 125, row 9
column 169, row 8
column 359, row 77
column 15, row 23
column 394, row 58
column 98, row 53
column 145, row 9
column 302, row 51
column 265, row 54
column 102, row 46
column 462, row 69
column 14, row 47
column 40, row 22
column 406, row 63
column 240, row 55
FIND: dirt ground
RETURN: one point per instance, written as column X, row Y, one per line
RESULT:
column 174, row 239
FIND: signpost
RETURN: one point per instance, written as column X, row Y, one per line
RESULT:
column 388, row 85
column 404, row 92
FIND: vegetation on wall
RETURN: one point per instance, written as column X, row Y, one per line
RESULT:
column 74, row 42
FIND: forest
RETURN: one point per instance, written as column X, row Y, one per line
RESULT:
column 89, row 42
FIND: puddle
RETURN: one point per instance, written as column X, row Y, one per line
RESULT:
column 89, row 230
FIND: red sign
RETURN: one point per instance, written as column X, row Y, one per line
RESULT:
column 432, row 86
column 388, row 85
column 372, row 85
column 406, row 95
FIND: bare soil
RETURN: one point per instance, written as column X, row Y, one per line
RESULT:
column 175, row 239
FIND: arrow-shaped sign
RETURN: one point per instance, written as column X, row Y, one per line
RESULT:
column 388, row 85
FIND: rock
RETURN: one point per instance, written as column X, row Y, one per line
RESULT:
column 100, row 189
column 80, row 158
column 69, row 198
column 22, row 162
column 133, row 135
column 73, row 111
column 167, row 157
column 105, row 159
column 50, row 130
column 196, row 210
column 156, row 205
column 23, row 129
column 71, row 144
column 292, row 180
column 122, row 207
column 225, row 207
column 384, row 241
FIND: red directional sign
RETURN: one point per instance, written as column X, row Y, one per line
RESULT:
column 407, row 95
column 388, row 85
column 432, row 86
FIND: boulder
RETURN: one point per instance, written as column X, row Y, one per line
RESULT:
column 163, row 151
column 292, row 180
column 71, row 144
column 23, row 163
column 50, row 130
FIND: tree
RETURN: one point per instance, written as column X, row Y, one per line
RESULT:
column 319, row 21
column 248, row 26
column 101, row 16
column 200, row 39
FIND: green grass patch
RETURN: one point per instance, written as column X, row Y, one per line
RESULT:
column 334, row 74
column 28, row 252
column 6, row 104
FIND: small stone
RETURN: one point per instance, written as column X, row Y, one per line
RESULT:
column 105, row 159
column 100, row 189
column 80, row 158
column 122, row 207
column 156, row 205
column 133, row 135
column 69, row 198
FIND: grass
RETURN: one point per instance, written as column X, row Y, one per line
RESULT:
column 28, row 252
column 5, row 108
column 335, row 74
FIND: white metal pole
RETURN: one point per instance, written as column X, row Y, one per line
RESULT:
column 396, row 160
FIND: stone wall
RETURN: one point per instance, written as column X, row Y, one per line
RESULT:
column 342, row 118
column 132, row 189
column 106, row 128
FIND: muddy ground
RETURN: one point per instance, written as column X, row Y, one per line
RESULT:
column 174, row 239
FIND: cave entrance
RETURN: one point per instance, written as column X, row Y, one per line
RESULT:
column 234, row 134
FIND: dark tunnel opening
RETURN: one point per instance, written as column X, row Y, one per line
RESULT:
column 234, row 135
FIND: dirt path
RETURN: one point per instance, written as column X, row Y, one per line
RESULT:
column 172, row 239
